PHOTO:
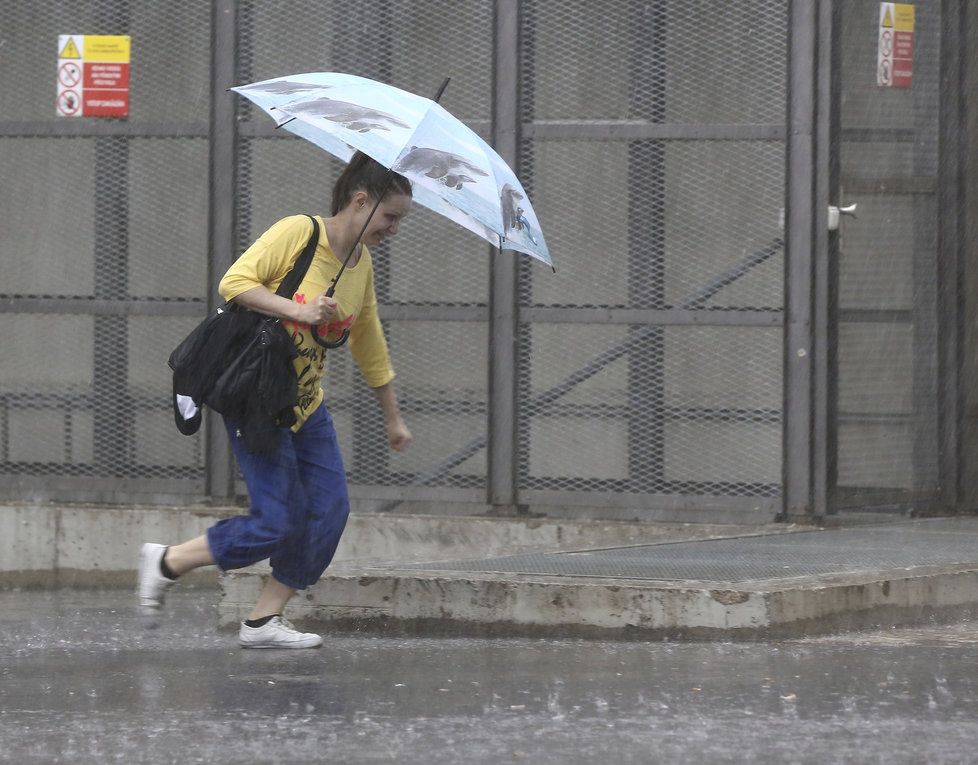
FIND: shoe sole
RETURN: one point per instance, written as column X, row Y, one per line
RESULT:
column 285, row 647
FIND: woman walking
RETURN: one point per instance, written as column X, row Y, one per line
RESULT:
column 297, row 490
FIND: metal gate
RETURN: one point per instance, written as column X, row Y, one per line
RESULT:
column 650, row 369
column 895, row 318
column 645, row 379
column 104, row 255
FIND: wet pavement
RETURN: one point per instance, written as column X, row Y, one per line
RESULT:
column 83, row 679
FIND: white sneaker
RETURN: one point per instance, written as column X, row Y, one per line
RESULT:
column 276, row 633
column 152, row 584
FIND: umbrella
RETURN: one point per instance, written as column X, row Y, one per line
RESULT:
column 453, row 171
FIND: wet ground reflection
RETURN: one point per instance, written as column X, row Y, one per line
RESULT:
column 84, row 679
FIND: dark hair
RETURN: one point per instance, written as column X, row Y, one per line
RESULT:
column 366, row 174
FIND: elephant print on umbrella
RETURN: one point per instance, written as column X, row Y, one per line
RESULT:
column 359, row 118
column 450, row 169
column 284, row 87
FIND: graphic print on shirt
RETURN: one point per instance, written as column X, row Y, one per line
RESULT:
column 311, row 359
column 330, row 328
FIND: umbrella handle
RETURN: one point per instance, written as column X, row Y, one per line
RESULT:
column 331, row 343
column 329, row 293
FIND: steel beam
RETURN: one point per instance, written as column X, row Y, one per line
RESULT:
column 76, row 128
column 825, row 267
column 100, row 306
column 662, row 317
column 803, row 211
column 221, row 234
column 638, row 130
column 953, row 148
column 503, row 315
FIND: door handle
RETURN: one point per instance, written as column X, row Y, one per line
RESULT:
column 835, row 213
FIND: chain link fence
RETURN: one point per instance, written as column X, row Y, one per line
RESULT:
column 657, row 157
column 104, row 255
column 432, row 279
column 648, row 371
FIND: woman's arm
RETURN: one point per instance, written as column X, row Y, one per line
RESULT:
column 261, row 299
column 398, row 436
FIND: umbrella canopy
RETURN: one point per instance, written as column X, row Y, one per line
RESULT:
column 453, row 171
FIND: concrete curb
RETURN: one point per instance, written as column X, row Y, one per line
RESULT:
column 369, row 588
column 493, row 604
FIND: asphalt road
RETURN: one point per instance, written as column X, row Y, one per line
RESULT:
column 83, row 679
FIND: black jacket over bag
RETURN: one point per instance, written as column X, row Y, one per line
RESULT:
column 239, row 363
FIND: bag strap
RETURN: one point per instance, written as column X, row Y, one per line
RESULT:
column 294, row 278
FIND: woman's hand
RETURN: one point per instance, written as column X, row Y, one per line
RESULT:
column 398, row 436
column 320, row 310
column 262, row 300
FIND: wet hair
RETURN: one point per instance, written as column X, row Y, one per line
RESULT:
column 366, row 174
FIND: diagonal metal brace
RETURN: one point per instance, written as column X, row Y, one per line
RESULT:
column 694, row 301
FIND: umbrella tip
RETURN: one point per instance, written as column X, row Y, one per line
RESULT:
column 553, row 268
column 441, row 90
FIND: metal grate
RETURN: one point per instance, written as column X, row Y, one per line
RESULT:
column 651, row 139
column 657, row 159
column 642, row 123
column 104, row 254
column 895, row 547
column 432, row 280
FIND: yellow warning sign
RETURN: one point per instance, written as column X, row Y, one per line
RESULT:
column 904, row 17
column 897, row 16
column 70, row 50
column 107, row 48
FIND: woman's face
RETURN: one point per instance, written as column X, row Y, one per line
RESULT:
column 385, row 221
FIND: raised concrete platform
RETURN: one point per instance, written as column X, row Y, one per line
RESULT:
column 742, row 586
column 96, row 545
column 449, row 574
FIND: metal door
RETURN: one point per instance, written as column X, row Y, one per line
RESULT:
column 892, row 269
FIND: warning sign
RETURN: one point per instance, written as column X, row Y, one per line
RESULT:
column 93, row 75
column 70, row 50
column 894, row 61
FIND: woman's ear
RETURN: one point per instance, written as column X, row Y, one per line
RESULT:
column 359, row 199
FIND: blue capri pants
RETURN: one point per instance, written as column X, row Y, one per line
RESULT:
column 299, row 505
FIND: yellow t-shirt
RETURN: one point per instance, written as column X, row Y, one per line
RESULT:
column 267, row 262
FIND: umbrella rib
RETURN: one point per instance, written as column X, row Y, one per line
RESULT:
column 387, row 186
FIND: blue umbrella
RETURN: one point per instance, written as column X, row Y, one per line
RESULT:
column 452, row 170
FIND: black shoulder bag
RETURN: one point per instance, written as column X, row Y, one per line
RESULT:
column 239, row 363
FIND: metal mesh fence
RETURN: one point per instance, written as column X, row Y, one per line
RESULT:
column 652, row 147
column 652, row 142
column 104, row 252
column 432, row 280
column 657, row 160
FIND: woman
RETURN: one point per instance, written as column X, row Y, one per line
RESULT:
column 298, row 494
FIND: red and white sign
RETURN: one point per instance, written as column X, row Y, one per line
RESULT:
column 93, row 75
column 894, row 62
